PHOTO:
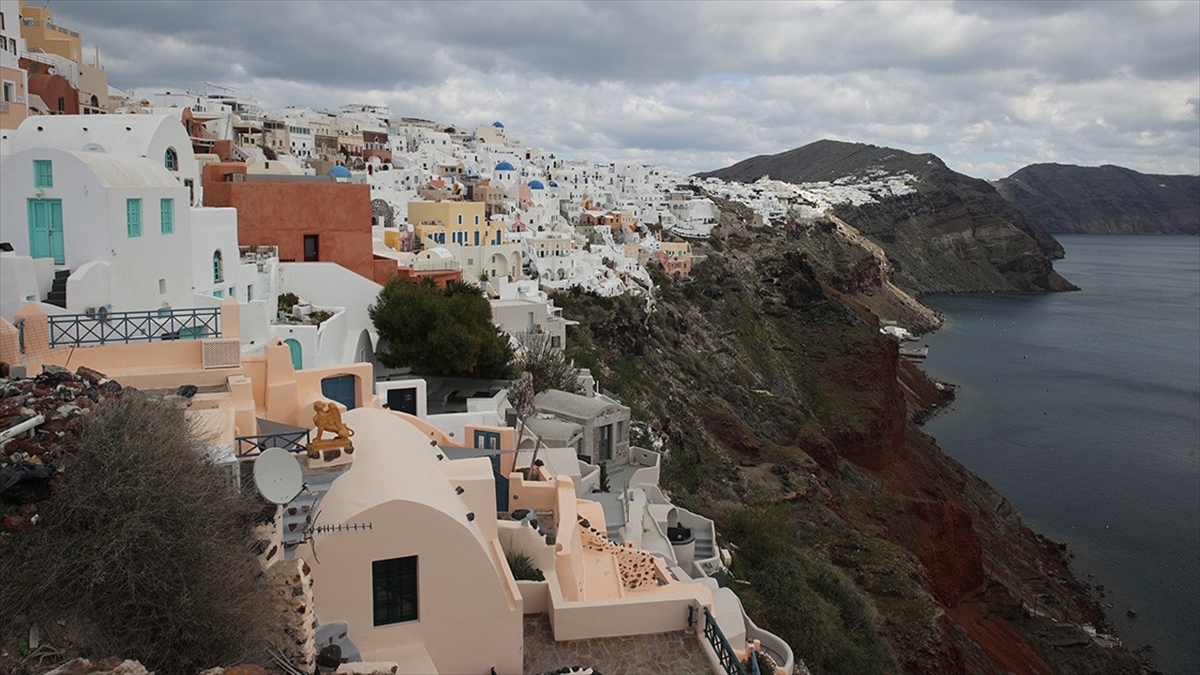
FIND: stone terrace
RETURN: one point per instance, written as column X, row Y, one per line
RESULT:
column 680, row 653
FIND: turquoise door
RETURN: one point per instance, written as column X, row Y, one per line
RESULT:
column 45, row 229
column 340, row 388
column 297, row 357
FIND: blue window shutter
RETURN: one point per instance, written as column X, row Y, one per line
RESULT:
column 43, row 173
column 167, row 208
column 133, row 217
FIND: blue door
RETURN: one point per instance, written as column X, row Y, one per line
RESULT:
column 341, row 389
column 501, row 484
column 297, row 355
column 404, row 400
column 45, row 229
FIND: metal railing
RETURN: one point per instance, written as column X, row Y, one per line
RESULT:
column 292, row 441
column 728, row 660
column 254, row 254
column 72, row 330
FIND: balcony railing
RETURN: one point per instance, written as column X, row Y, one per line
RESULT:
column 725, row 655
column 292, row 441
column 97, row 328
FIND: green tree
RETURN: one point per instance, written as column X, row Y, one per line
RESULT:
column 439, row 332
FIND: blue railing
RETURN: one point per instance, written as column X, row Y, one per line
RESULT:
column 72, row 330
column 292, row 441
column 728, row 660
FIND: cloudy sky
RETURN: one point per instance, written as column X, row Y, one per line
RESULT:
column 987, row 86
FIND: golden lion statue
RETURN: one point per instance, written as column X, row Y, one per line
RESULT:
column 328, row 417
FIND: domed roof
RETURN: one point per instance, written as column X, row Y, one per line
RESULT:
column 553, row 183
column 339, row 171
column 498, row 125
column 505, row 166
column 536, row 185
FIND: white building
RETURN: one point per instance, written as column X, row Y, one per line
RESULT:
column 120, row 224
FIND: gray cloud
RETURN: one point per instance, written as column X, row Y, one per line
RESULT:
column 988, row 86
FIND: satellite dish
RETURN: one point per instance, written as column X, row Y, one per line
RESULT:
column 277, row 475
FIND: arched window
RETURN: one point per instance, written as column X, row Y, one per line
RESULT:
column 171, row 160
column 218, row 271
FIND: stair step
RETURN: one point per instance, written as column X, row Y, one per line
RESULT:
column 62, row 274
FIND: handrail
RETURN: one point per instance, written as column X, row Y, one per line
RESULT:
column 100, row 327
column 725, row 656
column 292, row 441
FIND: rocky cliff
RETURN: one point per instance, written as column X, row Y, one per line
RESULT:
column 1103, row 200
column 950, row 233
column 788, row 418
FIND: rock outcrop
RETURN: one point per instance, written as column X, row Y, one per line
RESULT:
column 1108, row 199
column 950, row 233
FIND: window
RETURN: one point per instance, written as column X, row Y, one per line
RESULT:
column 10, row 91
column 167, row 211
column 133, row 217
column 218, row 268
column 312, row 248
column 394, row 586
column 171, row 160
column 162, row 286
column 460, row 219
column 43, row 173
column 62, row 104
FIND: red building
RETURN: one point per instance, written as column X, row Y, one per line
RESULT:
column 309, row 220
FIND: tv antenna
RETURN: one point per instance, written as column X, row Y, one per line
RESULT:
column 277, row 475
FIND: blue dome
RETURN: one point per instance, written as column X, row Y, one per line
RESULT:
column 536, row 185
column 553, row 183
column 339, row 172
column 497, row 125
column 505, row 166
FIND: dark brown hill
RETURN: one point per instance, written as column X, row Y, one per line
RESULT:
column 1103, row 200
column 953, row 234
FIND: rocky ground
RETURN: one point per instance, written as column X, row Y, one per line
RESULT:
column 791, row 421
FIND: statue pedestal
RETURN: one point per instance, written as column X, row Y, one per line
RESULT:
column 328, row 451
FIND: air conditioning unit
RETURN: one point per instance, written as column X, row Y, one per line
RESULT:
column 221, row 353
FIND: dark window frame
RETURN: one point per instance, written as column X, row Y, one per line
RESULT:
column 395, row 590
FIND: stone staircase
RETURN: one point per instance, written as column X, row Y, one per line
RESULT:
column 58, row 290
column 704, row 544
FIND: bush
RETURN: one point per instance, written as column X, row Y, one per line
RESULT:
column 145, row 551
column 523, row 568
column 287, row 301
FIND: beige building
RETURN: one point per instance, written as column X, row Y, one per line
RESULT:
column 14, row 104
column 42, row 34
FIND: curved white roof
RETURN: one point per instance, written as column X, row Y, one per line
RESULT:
column 438, row 252
column 116, row 134
column 393, row 461
column 126, row 172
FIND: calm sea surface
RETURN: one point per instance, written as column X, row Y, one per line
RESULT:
column 1084, row 410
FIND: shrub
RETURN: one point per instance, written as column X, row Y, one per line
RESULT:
column 287, row 301
column 447, row 332
column 523, row 568
column 145, row 551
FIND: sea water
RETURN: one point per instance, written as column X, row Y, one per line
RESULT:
column 1083, row 409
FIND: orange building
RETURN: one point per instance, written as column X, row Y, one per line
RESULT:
column 309, row 220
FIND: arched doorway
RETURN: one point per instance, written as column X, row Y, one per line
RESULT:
column 297, row 353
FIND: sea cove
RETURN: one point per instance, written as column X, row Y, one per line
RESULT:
column 1083, row 409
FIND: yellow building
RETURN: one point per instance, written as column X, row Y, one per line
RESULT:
column 451, row 222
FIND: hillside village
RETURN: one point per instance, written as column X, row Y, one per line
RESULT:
column 195, row 242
